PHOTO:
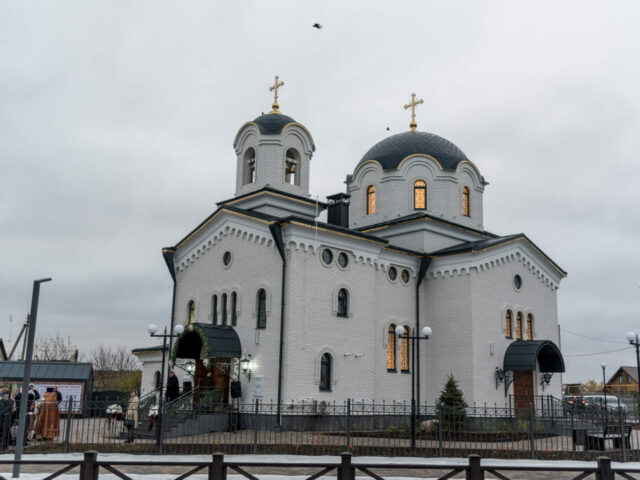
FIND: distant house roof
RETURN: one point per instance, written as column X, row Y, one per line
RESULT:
column 631, row 371
column 14, row 370
column 143, row 350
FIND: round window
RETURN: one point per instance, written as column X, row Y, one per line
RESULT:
column 327, row 256
column 393, row 273
column 405, row 275
column 517, row 282
column 226, row 259
column 343, row 259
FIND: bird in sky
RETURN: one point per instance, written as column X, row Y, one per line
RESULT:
column 317, row 25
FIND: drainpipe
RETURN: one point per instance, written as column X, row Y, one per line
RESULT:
column 424, row 265
column 276, row 232
column 167, row 253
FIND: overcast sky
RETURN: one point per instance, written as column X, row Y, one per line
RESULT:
column 117, row 121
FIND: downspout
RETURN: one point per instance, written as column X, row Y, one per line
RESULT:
column 276, row 232
column 425, row 261
column 167, row 253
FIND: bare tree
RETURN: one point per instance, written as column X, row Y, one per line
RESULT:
column 54, row 347
column 118, row 359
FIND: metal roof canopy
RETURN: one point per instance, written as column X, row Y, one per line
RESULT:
column 521, row 355
column 201, row 341
column 14, row 370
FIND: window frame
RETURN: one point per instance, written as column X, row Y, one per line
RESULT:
column 294, row 161
column 519, row 331
column 261, row 309
column 214, row 309
column 392, row 364
column 529, row 334
column 234, row 309
column 508, row 325
column 405, row 351
column 466, row 201
column 370, row 204
column 250, row 164
column 191, row 312
column 344, row 301
column 223, row 308
column 416, row 189
column 326, row 371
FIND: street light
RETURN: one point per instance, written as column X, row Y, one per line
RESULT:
column 604, row 383
column 635, row 341
column 152, row 329
column 426, row 333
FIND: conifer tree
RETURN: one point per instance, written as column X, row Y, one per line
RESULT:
column 451, row 406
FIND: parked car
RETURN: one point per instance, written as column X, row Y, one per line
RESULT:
column 574, row 402
column 598, row 402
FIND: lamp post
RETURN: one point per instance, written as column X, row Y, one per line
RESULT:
column 35, row 297
column 604, row 383
column 635, row 341
column 152, row 329
column 401, row 332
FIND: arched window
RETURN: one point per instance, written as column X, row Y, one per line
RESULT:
column 508, row 324
column 191, row 312
column 325, row 372
column 466, row 206
column 224, row 309
column 420, row 195
column 234, row 309
column 371, row 200
column 214, row 309
column 404, row 350
column 530, row 327
column 292, row 167
column 157, row 380
column 519, row 326
column 343, row 302
column 249, row 175
column 261, row 308
column 391, row 348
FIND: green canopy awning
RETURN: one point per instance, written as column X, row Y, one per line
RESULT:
column 522, row 355
column 204, row 341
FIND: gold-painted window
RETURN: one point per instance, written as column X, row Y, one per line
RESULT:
column 519, row 326
column 466, row 208
column 420, row 195
column 371, row 200
column 529, row 327
column 404, row 351
column 191, row 312
column 508, row 326
column 391, row 348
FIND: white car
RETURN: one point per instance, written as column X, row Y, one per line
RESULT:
column 598, row 401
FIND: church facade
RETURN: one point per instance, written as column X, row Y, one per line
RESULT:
column 313, row 307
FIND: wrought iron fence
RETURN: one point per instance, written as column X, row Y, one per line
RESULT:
column 546, row 429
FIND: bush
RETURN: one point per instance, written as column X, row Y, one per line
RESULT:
column 452, row 408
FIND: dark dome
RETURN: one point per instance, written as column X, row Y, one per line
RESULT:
column 392, row 150
column 272, row 123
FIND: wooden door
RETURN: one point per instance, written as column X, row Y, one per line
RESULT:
column 221, row 377
column 522, row 391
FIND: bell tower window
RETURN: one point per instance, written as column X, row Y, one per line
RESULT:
column 420, row 195
column 371, row 200
column 292, row 168
column 249, row 167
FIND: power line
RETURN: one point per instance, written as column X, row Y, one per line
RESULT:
column 597, row 353
column 590, row 338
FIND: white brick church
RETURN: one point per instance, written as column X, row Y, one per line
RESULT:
column 312, row 307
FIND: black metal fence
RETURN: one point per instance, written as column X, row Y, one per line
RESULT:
column 545, row 429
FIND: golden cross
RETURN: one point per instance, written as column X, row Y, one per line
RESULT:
column 413, row 104
column 274, row 88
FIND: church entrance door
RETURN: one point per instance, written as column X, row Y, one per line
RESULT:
column 522, row 391
column 221, row 377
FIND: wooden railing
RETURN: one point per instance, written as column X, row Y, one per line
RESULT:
column 346, row 468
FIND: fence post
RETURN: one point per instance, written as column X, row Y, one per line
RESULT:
column 474, row 471
column 67, row 429
column 348, row 424
column 532, row 437
column 604, row 469
column 255, row 427
column 440, row 430
column 217, row 469
column 622, row 433
column 88, row 468
column 346, row 471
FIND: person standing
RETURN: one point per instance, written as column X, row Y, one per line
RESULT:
column 173, row 387
column 48, row 425
column 58, row 395
column 131, row 417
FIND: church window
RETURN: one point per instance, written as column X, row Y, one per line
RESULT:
column 325, row 372
column 234, row 309
column 405, row 276
column 529, row 327
column 343, row 259
column 226, row 259
column 224, row 308
column 214, row 309
column 343, row 302
column 519, row 326
column 191, row 312
column 327, row 256
column 404, row 350
column 261, row 308
column 466, row 207
column 292, row 167
column 249, row 166
column 371, row 200
column 391, row 348
column 508, row 325
column 420, row 195
column 517, row 282
column 393, row 274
